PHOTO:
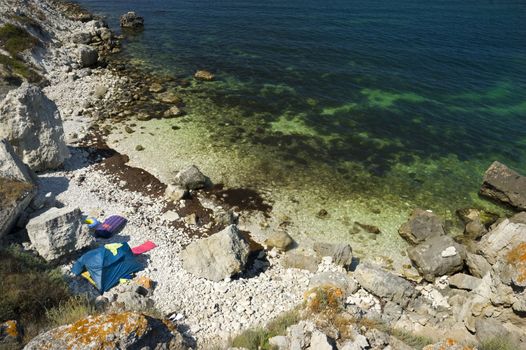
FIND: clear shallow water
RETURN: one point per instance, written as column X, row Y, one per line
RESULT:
column 400, row 103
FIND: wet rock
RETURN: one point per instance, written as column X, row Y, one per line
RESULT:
column 128, row 129
column 340, row 253
column 87, row 56
column 191, row 178
column 131, row 20
column 299, row 261
column 143, row 116
column 204, row 75
column 504, row 185
column 368, row 228
column 58, row 232
column 173, row 112
column 475, row 229
column 279, row 240
column 384, row 284
column 156, row 88
column 126, row 330
column 322, row 214
column 468, row 215
column 463, row 281
column 169, row 97
column 10, row 335
column 217, row 257
column 421, row 225
column 32, row 124
column 139, row 148
column 437, row 256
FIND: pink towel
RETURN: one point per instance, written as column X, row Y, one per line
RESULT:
column 143, row 248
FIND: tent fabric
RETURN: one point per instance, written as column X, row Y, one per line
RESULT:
column 107, row 265
column 143, row 248
column 110, row 226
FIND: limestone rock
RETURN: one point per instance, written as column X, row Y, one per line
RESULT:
column 499, row 241
column 32, row 125
column 336, row 279
column 87, row 56
column 58, row 232
column 437, row 256
column 341, row 253
column 11, row 166
column 299, row 261
column 463, row 281
column 191, row 178
column 319, row 341
column 173, row 112
column 280, row 240
column 131, row 20
column 127, row 330
column 504, row 185
column 478, row 266
column 17, row 188
column 384, row 284
column 421, row 225
column 175, row 193
column 221, row 255
column 204, row 75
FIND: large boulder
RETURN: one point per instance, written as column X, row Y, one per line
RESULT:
column 341, row 253
column 384, row 284
column 191, row 178
column 504, row 185
column 17, row 187
column 221, row 255
column 58, row 232
column 131, row 20
column 422, row 224
column 497, row 243
column 32, row 124
column 438, row 256
column 87, row 56
column 127, row 330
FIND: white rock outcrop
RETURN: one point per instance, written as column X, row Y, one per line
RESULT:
column 32, row 124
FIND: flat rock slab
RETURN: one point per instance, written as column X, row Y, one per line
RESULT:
column 504, row 185
column 384, row 284
column 341, row 253
column 437, row 256
column 58, row 232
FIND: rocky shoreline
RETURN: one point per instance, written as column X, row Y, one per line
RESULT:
column 211, row 276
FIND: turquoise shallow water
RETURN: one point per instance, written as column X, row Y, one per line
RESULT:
column 405, row 101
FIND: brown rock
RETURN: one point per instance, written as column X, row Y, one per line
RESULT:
column 504, row 185
column 204, row 75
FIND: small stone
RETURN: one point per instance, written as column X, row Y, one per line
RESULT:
column 128, row 129
column 204, row 75
column 449, row 251
column 139, row 148
column 280, row 240
column 156, row 87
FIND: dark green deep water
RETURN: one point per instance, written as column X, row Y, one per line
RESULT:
column 404, row 98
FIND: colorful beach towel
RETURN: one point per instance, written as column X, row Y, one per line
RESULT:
column 143, row 248
column 110, row 226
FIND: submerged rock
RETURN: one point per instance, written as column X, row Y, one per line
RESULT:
column 504, row 185
column 127, row 330
column 131, row 20
column 32, row 124
column 421, row 225
column 58, row 232
column 217, row 257
column 204, row 75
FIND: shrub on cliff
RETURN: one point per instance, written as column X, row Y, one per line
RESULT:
column 15, row 39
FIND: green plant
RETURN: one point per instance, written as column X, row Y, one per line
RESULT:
column 15, row 39
column 324, row 299
column 257, row 338
column 498, row 343
column 20, row 68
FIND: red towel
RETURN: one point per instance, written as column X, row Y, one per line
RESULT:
column 143, row 248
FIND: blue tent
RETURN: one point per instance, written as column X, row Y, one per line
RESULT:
column 107, row 265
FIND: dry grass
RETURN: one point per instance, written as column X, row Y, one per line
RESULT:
column 257, row 338
column 324, row 299
column 12, row 190
column 496, row 344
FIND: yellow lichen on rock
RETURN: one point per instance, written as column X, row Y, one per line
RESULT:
column 517, row 258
